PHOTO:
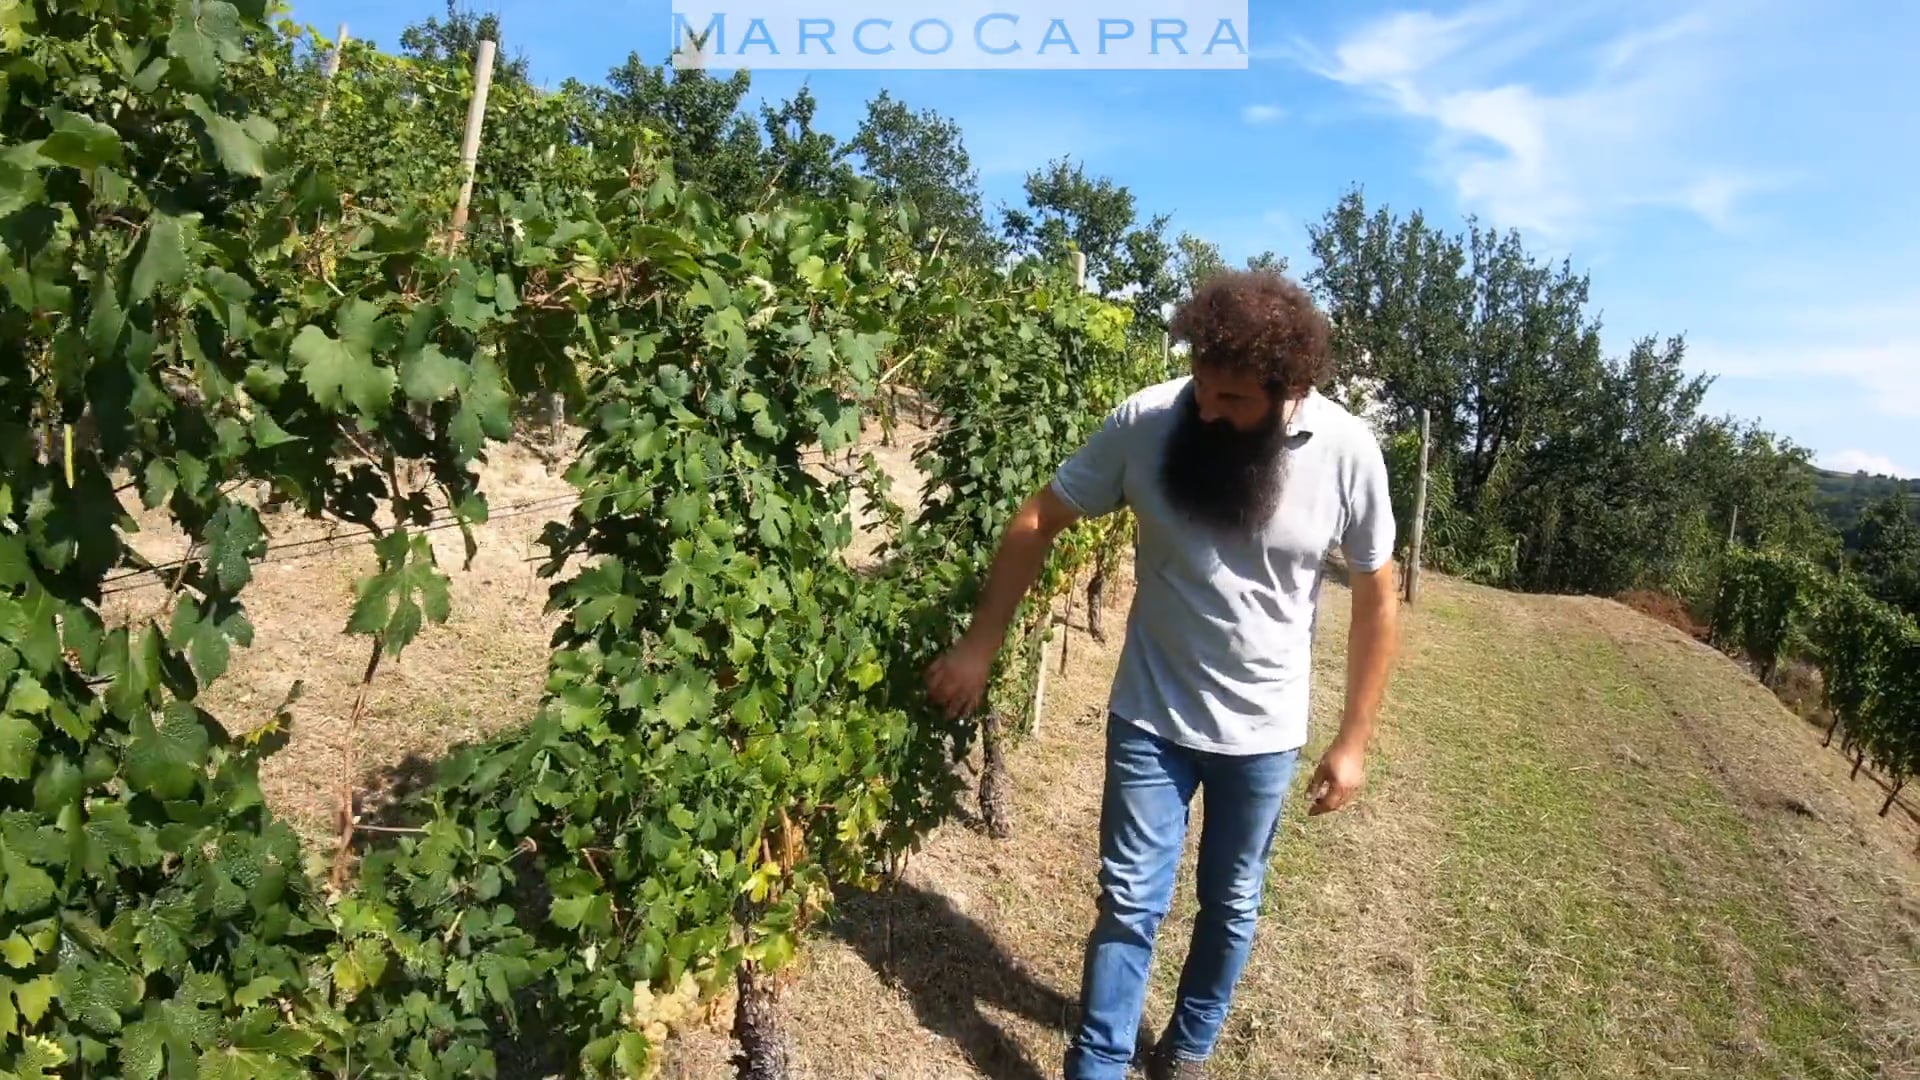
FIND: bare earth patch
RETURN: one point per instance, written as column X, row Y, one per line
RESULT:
column 479, row 673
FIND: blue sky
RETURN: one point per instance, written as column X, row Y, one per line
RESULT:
column 1744, row 172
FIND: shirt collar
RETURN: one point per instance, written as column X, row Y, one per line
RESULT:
column 1307, row 417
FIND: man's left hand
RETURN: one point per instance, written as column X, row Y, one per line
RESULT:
column 1339, row 777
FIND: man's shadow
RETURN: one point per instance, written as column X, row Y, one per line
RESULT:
column 951, row 967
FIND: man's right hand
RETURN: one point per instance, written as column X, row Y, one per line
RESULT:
column 957, row 682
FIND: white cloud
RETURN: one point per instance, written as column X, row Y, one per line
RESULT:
column 1885, row 369
column 1852, row 461
column 1263, row 114
column 1624, row 49
column 1620, row 128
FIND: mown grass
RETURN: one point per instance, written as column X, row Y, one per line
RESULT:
column 1605, row 911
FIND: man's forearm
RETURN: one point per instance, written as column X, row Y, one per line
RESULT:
column 1371, row 642
column 1016, row 566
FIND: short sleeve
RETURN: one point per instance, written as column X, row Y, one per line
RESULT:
column 1093, row 480
column 1369, row 537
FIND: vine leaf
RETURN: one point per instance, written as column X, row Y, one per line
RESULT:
column 79, row 140
column 19, row 737
column 205, row 635
column 99, row 994
column 408, row 591
column 204, row 32
column 234, row 538
column 341, row 373
column 24, row 887
column 484, row 409
column 39, row 1056
column 163, row 257
column 238, row 145
column 33, row 997
column 430, row 375
column 593, row 912
column 167, row 761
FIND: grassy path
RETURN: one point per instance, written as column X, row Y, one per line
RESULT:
column 1588, row 849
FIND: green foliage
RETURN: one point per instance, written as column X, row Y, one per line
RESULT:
column 1027, row 376
column 1198, row 259
column 1842, row 497
column 712, row 145
column 1886, row 543
column 233, row 285
column 1067, row 210
column 1868, row 651
column 456, row 40
column 714, row 752
column 920, row 158
column 1570, row 471
column 1766, row 600
column 181, row 275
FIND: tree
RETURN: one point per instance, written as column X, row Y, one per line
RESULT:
column 458, row 39
column 1269, row 262
column 1401, row 304
column 714, row 146
column 798, row 160
column 1199, row 260
column 1888, row 545
column 1757, row 488
column 921, row 158
column 1068, row 210
column 1569, row 471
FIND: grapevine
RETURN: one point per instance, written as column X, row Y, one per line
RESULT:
column 231, row 289
column 1868, row 653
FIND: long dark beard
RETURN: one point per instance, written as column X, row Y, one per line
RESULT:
column 1220, row 475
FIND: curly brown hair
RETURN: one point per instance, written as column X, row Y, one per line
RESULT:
column 1260, row 323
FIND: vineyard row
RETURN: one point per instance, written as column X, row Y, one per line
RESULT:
column 234, row 270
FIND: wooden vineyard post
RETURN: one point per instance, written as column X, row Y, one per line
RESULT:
column 1419, row 509
column 331, row 68
column 1733, row 529
column 470, row 145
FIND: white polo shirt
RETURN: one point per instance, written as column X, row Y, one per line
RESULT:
column 1219, row 648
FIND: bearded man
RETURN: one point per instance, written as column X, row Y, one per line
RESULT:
column 1242, row 477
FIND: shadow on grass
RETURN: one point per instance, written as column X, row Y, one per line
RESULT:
column 952, row 970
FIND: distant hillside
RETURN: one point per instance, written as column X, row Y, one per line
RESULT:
column 1842, row 496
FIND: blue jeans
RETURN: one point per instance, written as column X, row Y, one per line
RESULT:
column 1143, row 826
